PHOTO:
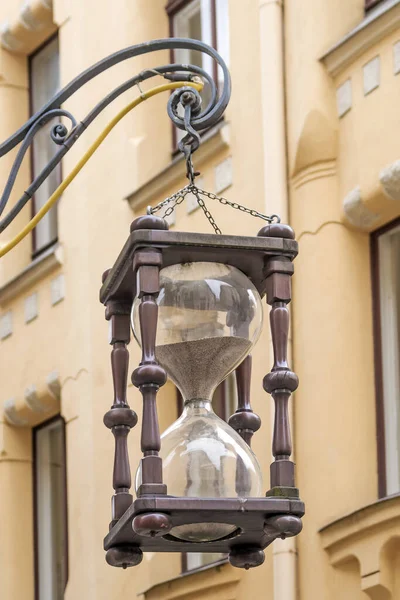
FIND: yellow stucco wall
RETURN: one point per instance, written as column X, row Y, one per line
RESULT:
column 334, row 408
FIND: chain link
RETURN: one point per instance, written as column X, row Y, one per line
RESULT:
column 203, row 206
column 179, row 197
column 254, row 213
column 176, row 198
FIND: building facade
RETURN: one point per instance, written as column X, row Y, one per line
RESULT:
column 311, row 134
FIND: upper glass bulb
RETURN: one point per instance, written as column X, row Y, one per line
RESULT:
column 210, row 316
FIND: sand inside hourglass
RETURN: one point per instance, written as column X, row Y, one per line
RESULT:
column 198, row 366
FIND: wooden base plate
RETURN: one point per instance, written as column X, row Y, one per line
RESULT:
column 256, row 522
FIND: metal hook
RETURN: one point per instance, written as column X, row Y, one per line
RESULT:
column 186, row 150
column 191, row 141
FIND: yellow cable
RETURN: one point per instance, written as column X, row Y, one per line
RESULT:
column 63, row 186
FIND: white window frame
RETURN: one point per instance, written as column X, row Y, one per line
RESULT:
column 180, row 21
column 390, row 359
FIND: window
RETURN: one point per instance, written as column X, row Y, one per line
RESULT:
column 371, row 3
column 386, row 279
column 44, row 78
column 50, row 511
column 224, row 405
column 205, row 20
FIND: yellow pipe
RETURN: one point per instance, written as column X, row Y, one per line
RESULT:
column 63, row 186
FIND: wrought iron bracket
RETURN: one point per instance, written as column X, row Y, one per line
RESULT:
column 195, row 119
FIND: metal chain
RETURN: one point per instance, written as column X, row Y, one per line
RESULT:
column 254, row 213
column 189, row 100
column 195, row 191
column 179, row 197
column 176, row 198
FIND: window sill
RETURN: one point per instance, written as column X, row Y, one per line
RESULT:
column 379, row 22
column 216, row 578
column 371, row 536
column 215, row 140
column 41, row 266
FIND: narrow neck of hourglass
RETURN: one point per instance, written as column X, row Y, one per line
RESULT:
column 198, row 406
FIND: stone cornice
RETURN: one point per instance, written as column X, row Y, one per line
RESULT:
column 370, row 535
column 379, row 23
column 212, row 580
column 33, row 25
column 40, row 267
column 38, row 402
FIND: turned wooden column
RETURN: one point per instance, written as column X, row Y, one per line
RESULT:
column 149, row 376
column 244, row 420
column 120, row 418
column 281, row 381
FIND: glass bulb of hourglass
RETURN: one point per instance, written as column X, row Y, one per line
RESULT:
column 210, row 316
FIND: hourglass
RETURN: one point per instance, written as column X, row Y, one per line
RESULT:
column 209, row 318
column 194, row 304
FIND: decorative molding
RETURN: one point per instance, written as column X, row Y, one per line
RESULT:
column 223, row 175
column 372, row 75
column 54, row 385
column 213, row 141
column 57, row 289
column 31, row 307
column 317, row 143
column 378, row 23
column 28, row 19
column 33, row 401
column 11, row 414
column 390, row 180
column 6, row 326
column 214, row 580
column 372, row 536
column 30, row 28
column 313, row 172
column 8, row 40
column 344, row 98
column 41, row 266
column 356, row 213
column 36, row 403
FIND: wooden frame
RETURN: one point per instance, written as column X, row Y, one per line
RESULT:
column 35, row 251
column 378, row 357
column 147, row 523
column 35, row 500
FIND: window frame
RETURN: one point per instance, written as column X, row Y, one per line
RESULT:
column 378, row 352
column 34, row 250
column 371, row 3
column 43, row 425
column 172, row 8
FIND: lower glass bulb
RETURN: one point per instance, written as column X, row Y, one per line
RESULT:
column 203, row 457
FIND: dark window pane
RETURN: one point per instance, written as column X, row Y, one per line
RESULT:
column 45, row 82
column 50, row 504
